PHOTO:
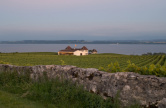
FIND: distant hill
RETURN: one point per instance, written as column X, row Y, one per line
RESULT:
column 85, row 42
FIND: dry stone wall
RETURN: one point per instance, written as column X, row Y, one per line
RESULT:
column 148, row 90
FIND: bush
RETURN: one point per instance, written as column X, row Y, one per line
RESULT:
column 157, row 70
column 112, row 67
column 131, row 67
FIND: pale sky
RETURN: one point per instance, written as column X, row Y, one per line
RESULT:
column 82, row 19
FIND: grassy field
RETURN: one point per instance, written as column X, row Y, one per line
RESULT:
column 144, row 64
column 90, row 61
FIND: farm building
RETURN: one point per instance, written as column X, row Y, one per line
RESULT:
column 94, row 51
column 74, row 51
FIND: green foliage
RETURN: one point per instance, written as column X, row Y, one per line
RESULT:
column 63, row 62
column 9, row 100
column 131, row 67
column 11, row 81
column 116, row 100
column 113, row 67
column 2, row 62
column 143, row 70
column 157, row 70
column 136, row 105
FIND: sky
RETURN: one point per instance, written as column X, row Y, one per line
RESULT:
column 82, row 19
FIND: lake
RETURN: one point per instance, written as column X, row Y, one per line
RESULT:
column 128, row 49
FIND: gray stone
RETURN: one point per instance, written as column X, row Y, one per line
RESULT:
column 162, row 103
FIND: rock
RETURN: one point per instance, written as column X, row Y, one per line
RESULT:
column 162, row 103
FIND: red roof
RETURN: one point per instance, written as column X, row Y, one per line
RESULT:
column 84, row 48
column 94, row 50
column 69, row 49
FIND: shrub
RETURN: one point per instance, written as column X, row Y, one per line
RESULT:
column 112, row 67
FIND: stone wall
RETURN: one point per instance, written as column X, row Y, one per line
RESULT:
column 132, row 87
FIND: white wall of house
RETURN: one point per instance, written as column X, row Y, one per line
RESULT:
column 81, row 52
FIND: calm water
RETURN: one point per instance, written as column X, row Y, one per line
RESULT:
column 128, row 49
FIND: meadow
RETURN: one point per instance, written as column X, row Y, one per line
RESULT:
column 143, row 64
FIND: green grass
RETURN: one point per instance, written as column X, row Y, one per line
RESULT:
column 8, row 100
column 90, row 61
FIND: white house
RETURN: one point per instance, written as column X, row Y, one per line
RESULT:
column 74, row 51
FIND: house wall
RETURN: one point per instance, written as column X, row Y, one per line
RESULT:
column 65, row 53
column 79, row 52
column 94, row 52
